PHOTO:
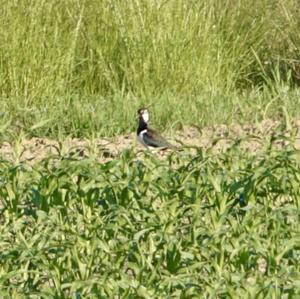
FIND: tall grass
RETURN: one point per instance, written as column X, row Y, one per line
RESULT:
column 61, row 57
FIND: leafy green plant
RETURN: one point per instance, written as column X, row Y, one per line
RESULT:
column 217, row 225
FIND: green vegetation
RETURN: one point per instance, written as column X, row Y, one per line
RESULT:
column 217, row 225
column 83, row 67
column 198, row 223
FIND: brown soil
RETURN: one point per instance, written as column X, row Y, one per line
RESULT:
column 250, row 137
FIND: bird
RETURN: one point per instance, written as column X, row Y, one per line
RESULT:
column 147, row 136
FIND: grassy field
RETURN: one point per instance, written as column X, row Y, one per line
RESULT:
column 199, row 223
column 82, row 68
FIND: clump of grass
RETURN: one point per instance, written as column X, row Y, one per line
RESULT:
column 111, row 116
column 220, row 225
column 76, row 63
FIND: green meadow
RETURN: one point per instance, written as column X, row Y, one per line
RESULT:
column 198, row 223
column 82, row 68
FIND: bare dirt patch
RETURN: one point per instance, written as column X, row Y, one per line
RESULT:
column 249, row 137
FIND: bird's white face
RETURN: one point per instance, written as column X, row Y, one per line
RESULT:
column 145, row 115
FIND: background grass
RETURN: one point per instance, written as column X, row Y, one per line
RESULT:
column 83, row 67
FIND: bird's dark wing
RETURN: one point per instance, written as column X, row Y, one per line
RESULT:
column 152, row 138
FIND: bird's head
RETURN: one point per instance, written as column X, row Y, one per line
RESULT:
column 143, row 114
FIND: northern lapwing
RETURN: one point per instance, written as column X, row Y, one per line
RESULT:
column 148, row 137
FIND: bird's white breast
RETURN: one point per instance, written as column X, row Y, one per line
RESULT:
column 141, row 140
column 141, row 137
